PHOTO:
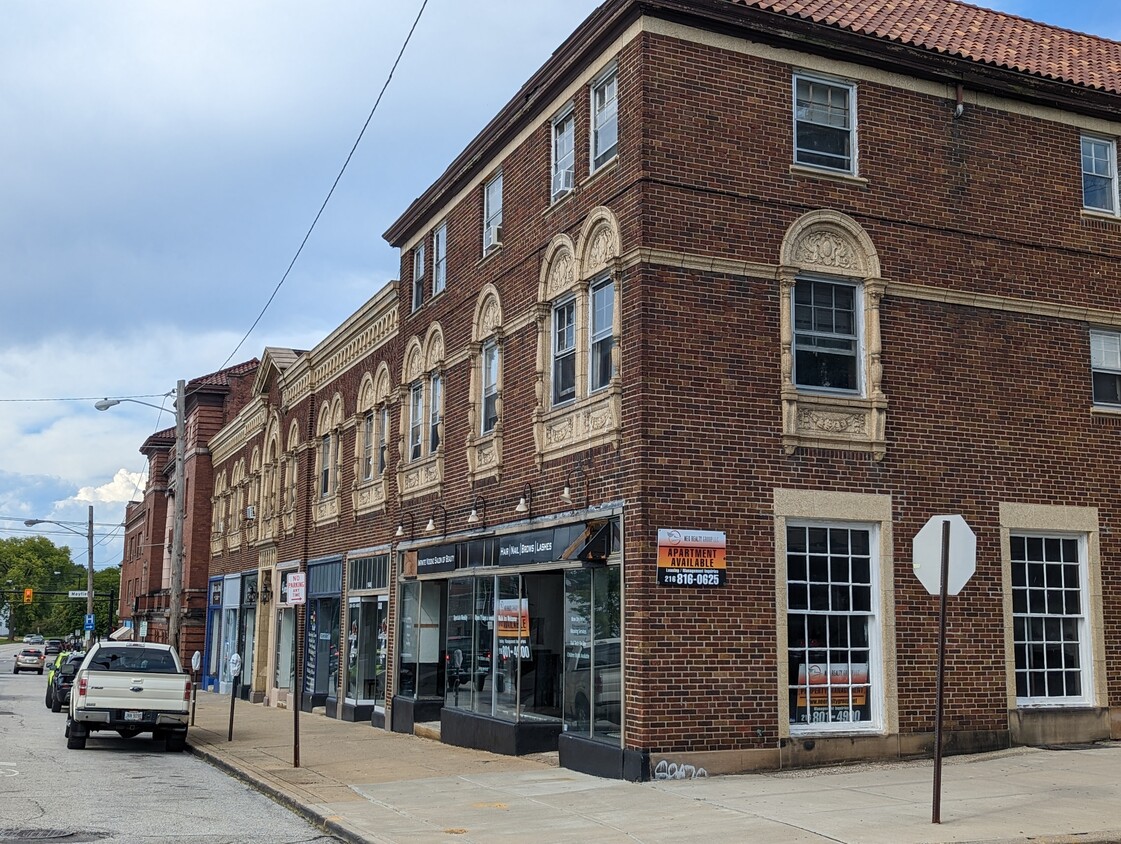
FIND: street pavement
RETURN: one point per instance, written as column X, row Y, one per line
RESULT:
column 367, row 784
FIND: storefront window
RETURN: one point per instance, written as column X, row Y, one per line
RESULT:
column 470, row 643
column 421, row 660
column 246, row 637
column 323, row 636
column 593, row 653
column 366, row 650
column 229, row 646
column 285, row 648
column 512, row 627
column 542, row 654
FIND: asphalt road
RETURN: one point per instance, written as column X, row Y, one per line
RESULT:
column 118, row 790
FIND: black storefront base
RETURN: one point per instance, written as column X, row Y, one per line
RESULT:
column 580, row 753
column 308, row 702
column 356, row 711
column 481, row 732
column 408, row 711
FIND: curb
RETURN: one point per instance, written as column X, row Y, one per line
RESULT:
column 329, row 825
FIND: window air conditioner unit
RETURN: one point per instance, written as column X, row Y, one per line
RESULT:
column 250, row 513
column 492, row 238
column 562, row 183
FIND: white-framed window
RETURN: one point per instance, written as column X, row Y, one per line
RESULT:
column 326, row 465
column 418, row 275
column 605, row 118
column 416, row 420
column 383, row 438
column 825, row 123
column 602, row 334
column 1099, row 174
column 827, row 350
column 564, row 154
column 439, row 258
column 832, row 617
column 492, row 214
column 564, row 352
column 1105, row 365
column 368, row 446
column 490, row 386
column 435, row 408
column 1049, row 618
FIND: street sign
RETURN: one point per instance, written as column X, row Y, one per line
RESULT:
column 926, row 553
column 77, row 593
column 235, row 664
column 297, row 588
column 89, row 621
column 196, row 661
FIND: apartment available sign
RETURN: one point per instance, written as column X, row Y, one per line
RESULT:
column 691, row 557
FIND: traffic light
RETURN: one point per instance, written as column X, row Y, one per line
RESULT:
column 28, row 594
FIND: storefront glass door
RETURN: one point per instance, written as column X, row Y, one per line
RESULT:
column 285, row 648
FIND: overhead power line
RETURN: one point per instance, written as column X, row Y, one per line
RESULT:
column 331, row 192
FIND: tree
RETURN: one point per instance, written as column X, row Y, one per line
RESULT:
column 38, row 564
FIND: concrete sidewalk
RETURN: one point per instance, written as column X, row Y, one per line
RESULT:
column 365, row 784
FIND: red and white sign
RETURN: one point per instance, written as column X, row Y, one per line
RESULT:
column 297, row 588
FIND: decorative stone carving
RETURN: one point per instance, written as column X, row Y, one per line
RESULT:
column 832, row 423
column 824, row 248
column 602, row 250
column 491, row 317
column 562, row 274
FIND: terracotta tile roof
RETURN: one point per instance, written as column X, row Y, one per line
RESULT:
column 970, row 32
column 221, row 378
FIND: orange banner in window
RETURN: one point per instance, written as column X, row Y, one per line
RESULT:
column 830, row 685
column 513, row 618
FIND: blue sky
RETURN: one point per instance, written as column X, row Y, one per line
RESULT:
column 164, row 160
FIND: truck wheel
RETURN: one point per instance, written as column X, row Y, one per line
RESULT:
column 175, row 742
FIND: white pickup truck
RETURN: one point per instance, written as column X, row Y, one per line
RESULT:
column 132, row 688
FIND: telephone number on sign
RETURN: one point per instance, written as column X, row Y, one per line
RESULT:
column 691, row 578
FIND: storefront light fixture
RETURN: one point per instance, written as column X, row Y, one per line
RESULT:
column 265, row 595
column 251, row 595
column 401, row 526
column 431, row 526
column 474, row 518
column 525, row 503
column 576, row 471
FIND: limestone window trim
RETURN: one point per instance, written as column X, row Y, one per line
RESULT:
column 217, row 515
column 420, row 467
column 571, row 273
column 253, row 497
column 830, row 246
column 328, row 462
column 268, row 514
column 234, row 523
column 291, row 486
column 370, row 490
column 484, row 448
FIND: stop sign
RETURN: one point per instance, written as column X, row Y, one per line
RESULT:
column 926, row 552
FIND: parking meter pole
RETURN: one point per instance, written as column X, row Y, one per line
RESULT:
column 235, row 672
column 936, row 812
column 194, row 695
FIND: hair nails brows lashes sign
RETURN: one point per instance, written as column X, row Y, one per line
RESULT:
column 538, row 546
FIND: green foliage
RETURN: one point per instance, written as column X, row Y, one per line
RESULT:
column 31, row 563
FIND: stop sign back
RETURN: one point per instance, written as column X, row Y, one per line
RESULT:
column 926, row 552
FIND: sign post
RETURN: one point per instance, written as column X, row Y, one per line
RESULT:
column 196, row 664
column 235, row 669
column 943, row 567
column 297, row 594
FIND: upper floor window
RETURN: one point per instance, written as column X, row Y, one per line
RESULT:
column 383, row 437
column 492, row 214
column 418, row 275
column 564, row 154
column 368, row 446
column 564, row 351
column 416, row 419
column 605, row 119
column 490, row 386
column 1105, row 362
column 439, row 258
column 826, row 335
column 825, row 124
column 602, row 334
column 326, row 464
column 1099, row 174
column 435, row 407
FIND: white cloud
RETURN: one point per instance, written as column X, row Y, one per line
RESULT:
column 126, row 486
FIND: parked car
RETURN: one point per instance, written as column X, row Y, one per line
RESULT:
column 63, row 681
column 53, row 666
column 29, row 659
column 604, row 692
column 35, row 639
column 53, row 646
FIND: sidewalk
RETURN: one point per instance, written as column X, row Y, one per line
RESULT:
column 365, row 784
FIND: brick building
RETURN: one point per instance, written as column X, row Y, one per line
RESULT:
column 211, row 402
column 690, row 341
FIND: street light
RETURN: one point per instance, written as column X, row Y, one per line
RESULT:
column 89, row 554
column 175, row 611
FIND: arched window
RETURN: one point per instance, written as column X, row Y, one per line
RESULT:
column 484, row 442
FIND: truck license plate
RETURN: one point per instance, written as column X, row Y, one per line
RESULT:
column 133, row 715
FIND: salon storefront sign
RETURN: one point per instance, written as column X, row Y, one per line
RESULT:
column 692, row 557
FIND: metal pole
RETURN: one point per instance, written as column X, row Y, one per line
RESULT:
column 89, row 570
column 174, row 614
column 936, row 813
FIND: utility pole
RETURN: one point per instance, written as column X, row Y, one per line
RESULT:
column 89, row 571
column 175, row 612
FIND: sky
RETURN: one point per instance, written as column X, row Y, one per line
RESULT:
column 163, row 161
